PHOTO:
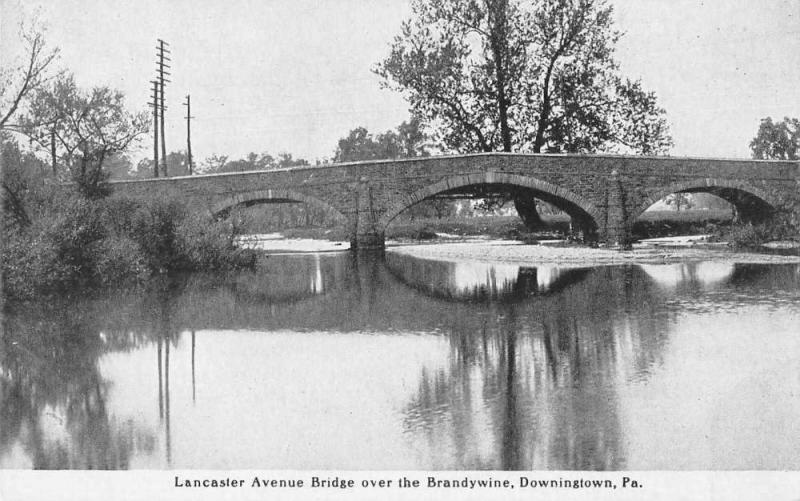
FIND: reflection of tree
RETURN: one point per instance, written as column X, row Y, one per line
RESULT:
column 530, row 380
column 51, row 387
column 545, row 371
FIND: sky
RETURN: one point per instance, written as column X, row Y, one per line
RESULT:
column 295, row 75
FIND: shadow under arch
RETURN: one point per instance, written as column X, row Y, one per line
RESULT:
column 271, row 196
column 576, row 206
column 753, row 204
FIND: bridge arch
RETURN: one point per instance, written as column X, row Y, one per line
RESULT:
column 574, row 205
column 276, row 195
column 752, row 203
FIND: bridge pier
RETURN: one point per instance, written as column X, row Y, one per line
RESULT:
column 366, row 235
column 367, row 242
column 617, row 228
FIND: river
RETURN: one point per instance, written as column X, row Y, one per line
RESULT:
column 331, row 361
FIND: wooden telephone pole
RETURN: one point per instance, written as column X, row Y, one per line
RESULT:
column 160, row 69
column 189, row 118
column 154, row 104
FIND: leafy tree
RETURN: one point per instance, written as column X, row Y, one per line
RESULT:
column 522, row 75
column 253, row 161
column 777, row 140
column 681, row 201
column 89, row 127
column 214, row 163
column 286, row 160
column 407, row 141
column 26, row 75
column 178, row 163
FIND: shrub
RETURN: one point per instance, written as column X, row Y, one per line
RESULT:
column 118, row 260
column 71, row 234
column 24, row 264
column 207, row 244
column 112, row 241
column 780, row 227
column 746, row 236
column 154, row 228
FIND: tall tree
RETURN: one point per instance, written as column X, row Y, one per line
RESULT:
column 777, row 140
column 89, row 127
column 27, row 74
column 522, row 75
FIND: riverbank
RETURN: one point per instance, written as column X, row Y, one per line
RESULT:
column 504, row 251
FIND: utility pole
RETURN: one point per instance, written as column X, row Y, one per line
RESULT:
column 154, row 104
column 189, row 118
column 162, row 50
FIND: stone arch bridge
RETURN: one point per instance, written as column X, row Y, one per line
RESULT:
column 603, row 194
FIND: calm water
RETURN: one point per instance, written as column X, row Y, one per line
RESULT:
column 334, row 362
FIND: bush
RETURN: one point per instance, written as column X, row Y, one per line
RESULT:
column 112, row 241
column 26, row 264
column 746, row 236
column 780, row 227
column 208, row 245
column 71, row 234
column 118, row 260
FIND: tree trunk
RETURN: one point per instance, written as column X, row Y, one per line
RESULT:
column 500, row 53
column 526, row 208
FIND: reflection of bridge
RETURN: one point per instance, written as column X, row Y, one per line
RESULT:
column 603, row 194
column 481, row 281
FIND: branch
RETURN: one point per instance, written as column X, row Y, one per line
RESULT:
column 32, row 74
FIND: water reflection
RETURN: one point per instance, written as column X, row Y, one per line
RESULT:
column 689, row 275
column 481, row 281
column 330, row 361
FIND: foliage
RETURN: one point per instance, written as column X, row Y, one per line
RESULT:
column 747, row 236
column 669, row 223
column 111, row 241
column 522, row 75
column 86, row 128
column 172, row 238
column 514, row 75
column 253, row 161
column 406, row 142
column 118, row 260
column 22, row 174
column 177, row 165
column 680, row 201
column 782, row 226
column 777, row 140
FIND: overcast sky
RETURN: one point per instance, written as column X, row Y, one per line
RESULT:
column 294, row 75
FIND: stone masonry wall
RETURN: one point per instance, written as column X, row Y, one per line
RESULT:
column 611, row 190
